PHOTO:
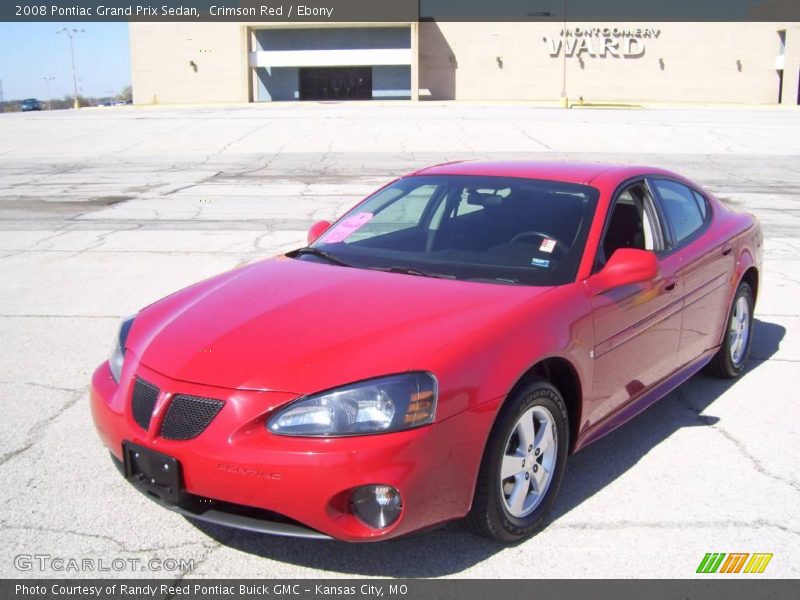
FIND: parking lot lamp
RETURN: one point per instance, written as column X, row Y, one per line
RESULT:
column 70, row 33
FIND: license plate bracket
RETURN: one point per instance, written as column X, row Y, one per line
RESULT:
column 157, row 475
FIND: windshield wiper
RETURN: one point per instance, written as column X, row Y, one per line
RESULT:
column 321, row 253
column 412, row 271
column 502, row 280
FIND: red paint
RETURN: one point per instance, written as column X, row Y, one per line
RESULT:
column 625, row 267
column 317, row 229
column 262, row 335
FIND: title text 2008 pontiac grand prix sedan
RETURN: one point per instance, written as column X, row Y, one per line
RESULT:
column 436, row 354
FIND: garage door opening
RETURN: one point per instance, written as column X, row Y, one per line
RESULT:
column 336, row 83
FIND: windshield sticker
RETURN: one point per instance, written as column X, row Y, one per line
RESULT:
column 548, row 245
column 350, row 225
column 540, row 262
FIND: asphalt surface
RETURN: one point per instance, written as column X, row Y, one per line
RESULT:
column 103, row 211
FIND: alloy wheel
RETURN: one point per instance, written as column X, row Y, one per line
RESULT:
column 739, row 330
column 529, row 461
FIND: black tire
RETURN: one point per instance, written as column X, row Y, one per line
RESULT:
column 723, row 365
column 489, row 516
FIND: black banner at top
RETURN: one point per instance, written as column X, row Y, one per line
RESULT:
column 397, row 11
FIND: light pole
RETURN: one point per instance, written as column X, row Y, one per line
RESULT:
column 70, row 33
column 564, row 100
column 47, row 81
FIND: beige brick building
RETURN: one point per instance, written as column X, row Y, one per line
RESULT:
column 605, row 62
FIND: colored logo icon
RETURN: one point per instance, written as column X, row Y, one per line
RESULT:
column 735, row 562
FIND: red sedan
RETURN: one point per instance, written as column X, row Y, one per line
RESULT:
column 435, row 354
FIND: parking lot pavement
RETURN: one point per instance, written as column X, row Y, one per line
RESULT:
column 105, row 210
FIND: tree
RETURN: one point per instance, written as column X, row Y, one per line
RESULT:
column 126, row 94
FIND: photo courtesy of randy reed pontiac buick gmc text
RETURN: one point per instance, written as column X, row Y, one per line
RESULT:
column 163, row 590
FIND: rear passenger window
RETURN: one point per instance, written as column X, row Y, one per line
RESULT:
column 701, row 204
column 686, row 209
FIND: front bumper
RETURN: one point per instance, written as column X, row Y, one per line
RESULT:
column 237, row 473
column 233, row 515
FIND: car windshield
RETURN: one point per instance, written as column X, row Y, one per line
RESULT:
column 495, row 229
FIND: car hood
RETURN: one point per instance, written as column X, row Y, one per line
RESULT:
column 300, row 326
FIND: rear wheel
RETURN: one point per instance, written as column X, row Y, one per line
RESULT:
column 731, row 358
column 523, row 465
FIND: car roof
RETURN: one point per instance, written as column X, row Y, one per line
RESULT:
column 571, row 172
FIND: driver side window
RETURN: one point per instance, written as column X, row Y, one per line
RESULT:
column 633, row 224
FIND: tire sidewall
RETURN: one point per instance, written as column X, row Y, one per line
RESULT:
column 742, row 290
column 537, row 394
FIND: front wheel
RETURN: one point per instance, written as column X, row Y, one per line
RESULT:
column 522, row 466
column 730, row 360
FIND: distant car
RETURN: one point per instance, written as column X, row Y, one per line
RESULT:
column 435, row 354
column 30, row 104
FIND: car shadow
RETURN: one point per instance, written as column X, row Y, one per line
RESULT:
column 604, row 461
column 451, row 550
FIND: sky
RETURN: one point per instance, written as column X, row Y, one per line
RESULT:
column 31, row 51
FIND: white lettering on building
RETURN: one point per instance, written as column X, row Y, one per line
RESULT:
column 616, row 42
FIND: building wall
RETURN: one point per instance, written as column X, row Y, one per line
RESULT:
column 790, row 62
column 278, row 84
column 162, row 55
column 687, row 62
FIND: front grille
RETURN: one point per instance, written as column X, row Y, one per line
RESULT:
column 188, row 416
column 143, row 402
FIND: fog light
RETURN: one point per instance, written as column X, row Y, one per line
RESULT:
column 377, row 506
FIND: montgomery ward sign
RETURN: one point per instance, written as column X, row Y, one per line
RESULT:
column 625, row 42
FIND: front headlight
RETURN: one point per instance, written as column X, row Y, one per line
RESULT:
column 380, row 405
column 118, row 353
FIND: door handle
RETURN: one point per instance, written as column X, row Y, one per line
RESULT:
column 670, row 284
column 727, row 250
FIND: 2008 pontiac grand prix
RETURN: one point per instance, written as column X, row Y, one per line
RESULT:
column 436, row 354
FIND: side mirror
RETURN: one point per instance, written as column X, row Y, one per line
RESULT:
column 317, row 229
column 626, row 266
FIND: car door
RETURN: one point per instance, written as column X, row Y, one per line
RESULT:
column 637, row 326
column 706, row 264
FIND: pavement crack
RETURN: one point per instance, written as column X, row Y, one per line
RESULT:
column 59, row 231
column 41, row 385
column 740, row 446
column 35, row 432
column 101, row 239
column 216, row 545
column 533, row 139
column 257, row 241
column 713, row 524
column 242, row 137
column 82, row 534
